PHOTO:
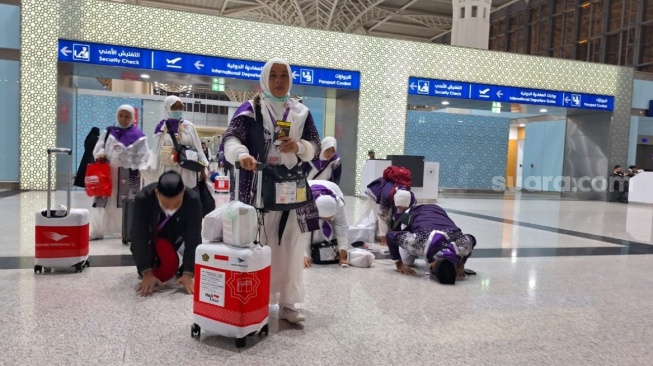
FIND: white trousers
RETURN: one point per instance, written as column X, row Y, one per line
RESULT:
column 287, row 282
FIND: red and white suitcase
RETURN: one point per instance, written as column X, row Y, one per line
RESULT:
column 62, row 236
column 221, row 184
column 232, row 291
column 232, row 285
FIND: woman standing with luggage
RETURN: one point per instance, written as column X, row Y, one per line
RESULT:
column 89, row 145
column 124, row 147
column 287, row 238
column 163, row 151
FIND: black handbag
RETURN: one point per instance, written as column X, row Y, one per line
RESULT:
column 325, row 252
column 282, row 189
column 187, row 157
column 206, row 197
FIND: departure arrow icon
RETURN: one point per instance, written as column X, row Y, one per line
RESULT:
column 295, row 75
column 199, row 65
column 65, row 51
column 567, row 99
column 499, row 94
column 413, row 86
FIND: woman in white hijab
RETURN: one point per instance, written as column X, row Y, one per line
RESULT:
column 124, row 146
column 161, row 159
column 327, row 166
column 301, row 145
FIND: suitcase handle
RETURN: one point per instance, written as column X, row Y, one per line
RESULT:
column 258, row 200
column 57, row 151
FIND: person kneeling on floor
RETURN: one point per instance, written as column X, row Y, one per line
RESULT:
column 167, row 223
column 426, row 230
column 333, row 221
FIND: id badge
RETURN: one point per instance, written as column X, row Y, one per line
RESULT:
column 286, row 192
column 301, row 191
column 281, row 129
column 327, row 254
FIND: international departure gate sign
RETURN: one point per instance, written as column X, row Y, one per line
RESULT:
column 186, row 63
column 508, row 94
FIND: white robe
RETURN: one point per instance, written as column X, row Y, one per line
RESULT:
column 190, row 138
column 108, row 220
column 339, row 225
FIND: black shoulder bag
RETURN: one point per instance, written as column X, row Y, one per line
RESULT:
column 282, row 189
column 187, row 157
column 325, row 252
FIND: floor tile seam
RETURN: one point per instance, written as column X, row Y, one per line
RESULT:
column 561, row 231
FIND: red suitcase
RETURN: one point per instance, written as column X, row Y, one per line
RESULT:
column 62, row 236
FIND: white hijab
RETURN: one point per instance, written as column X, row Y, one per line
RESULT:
column 128, row 108
column 265, row 75
column 272, row 108
column 169, row 101
column 327, row 143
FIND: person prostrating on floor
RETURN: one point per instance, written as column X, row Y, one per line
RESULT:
column 427, row 231
column 167, row 224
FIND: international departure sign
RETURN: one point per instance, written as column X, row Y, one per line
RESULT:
column 508, row 94
column 140, row 58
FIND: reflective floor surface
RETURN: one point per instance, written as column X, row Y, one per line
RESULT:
column 559, row 283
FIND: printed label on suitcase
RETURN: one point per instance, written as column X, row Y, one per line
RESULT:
column 212, row 287
column 61, row 241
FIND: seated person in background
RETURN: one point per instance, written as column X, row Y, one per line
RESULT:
column 426, row 230
column 333, row 219
column 167, row 221
column 619, row 184
column 632, row 171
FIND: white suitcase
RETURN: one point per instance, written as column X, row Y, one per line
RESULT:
column 61, row 236
column 232, row 291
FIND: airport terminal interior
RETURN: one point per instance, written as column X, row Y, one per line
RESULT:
column 539, row 144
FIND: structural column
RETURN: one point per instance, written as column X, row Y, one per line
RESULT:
column 471, row 23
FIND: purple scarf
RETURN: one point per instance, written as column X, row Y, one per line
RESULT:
column 126, row 136
column 173, row 125
column 321, row 164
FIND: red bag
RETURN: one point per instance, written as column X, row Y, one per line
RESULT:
column 398, row 175
column 98, row 179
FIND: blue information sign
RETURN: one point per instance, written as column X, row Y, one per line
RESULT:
column 139, row 58
column 508, row 94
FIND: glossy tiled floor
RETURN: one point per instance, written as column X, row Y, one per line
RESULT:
column 559, row 283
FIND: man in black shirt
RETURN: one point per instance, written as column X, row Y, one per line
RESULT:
column 167, row 219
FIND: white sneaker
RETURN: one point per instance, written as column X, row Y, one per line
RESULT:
column 290, row 314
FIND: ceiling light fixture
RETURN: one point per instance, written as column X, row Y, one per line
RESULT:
column 543, row 110
column 444, row 102
column 145, row 76
column 522, row 125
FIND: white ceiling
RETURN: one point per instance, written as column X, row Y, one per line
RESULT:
column 420, row 20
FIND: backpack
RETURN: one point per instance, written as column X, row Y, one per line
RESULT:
column 398, row 175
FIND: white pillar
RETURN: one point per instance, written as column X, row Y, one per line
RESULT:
column 471, row 23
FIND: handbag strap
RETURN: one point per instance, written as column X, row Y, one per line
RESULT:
column 172, row 136
column 323, row 169
column 260, row 131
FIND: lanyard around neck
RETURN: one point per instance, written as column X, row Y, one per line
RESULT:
column 285, row 115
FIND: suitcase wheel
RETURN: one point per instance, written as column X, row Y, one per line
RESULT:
column 265, row 330
column 125, row 242
column 88, row 263
column 195, row 331
column 241, row 342
column 38, row 269
column 79, row 267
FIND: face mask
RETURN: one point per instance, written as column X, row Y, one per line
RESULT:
column 176, row 114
